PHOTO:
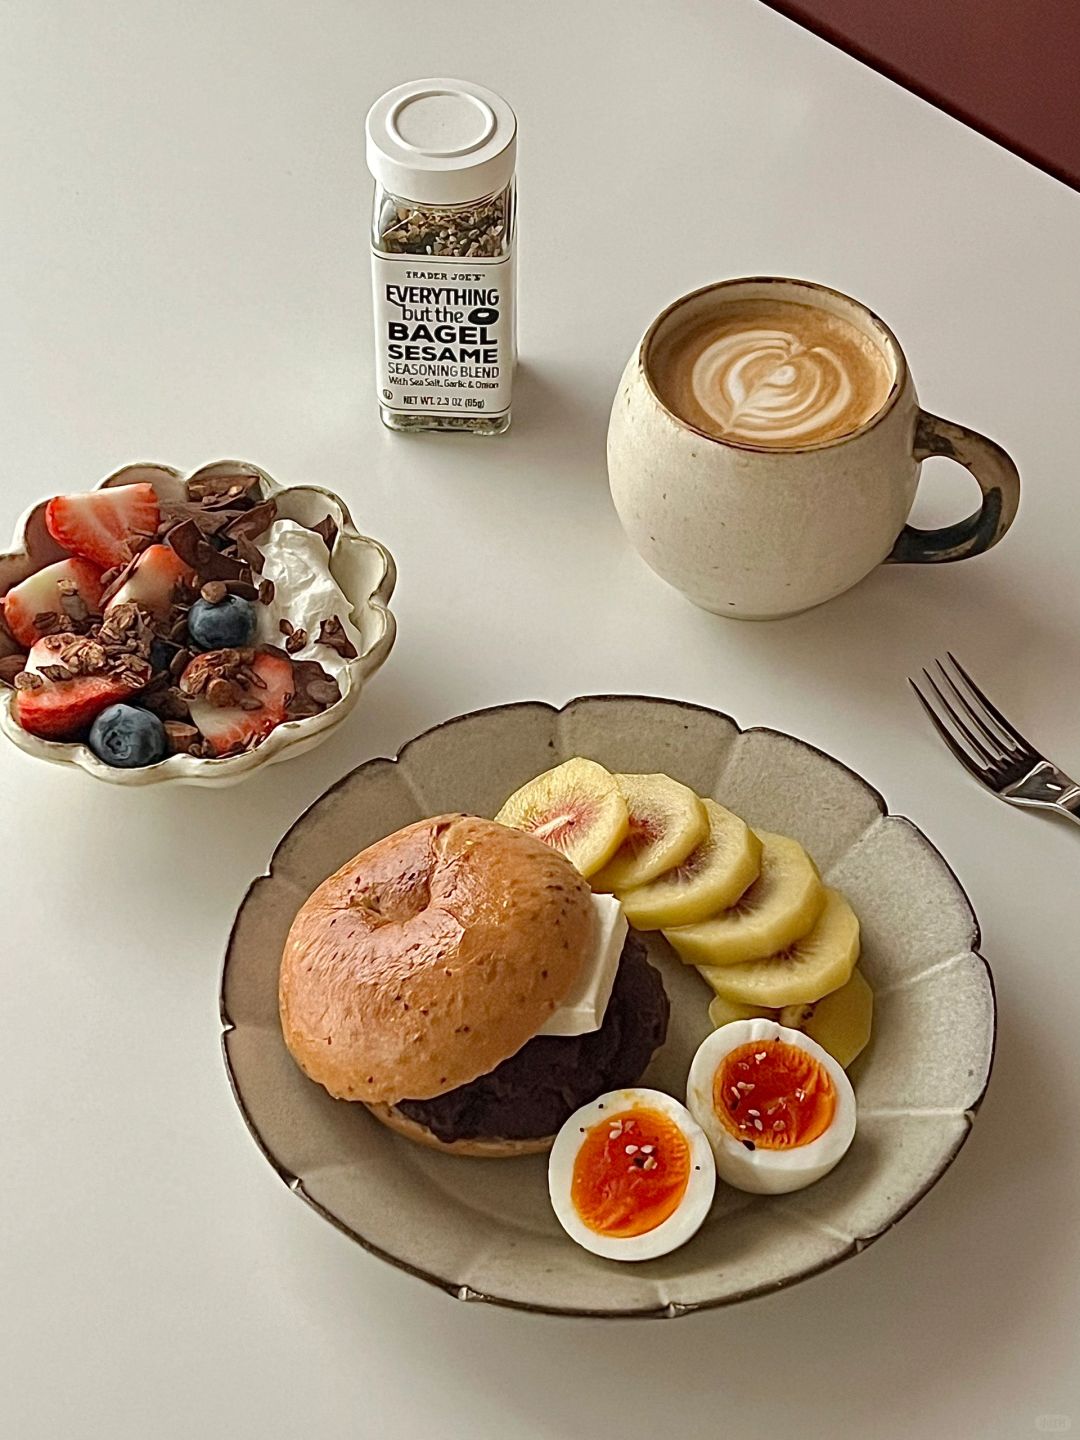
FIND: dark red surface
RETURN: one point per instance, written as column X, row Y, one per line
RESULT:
column 1009, row 68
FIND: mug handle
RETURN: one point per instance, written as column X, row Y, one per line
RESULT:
column 999, row 481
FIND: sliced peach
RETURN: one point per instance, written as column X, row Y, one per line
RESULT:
column 713, row 876
column 667, row 822
column 577, row 808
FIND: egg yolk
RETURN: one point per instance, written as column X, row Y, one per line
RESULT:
column 630, row 1173
column 772, row 1096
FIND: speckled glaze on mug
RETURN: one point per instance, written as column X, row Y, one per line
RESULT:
column 756, row 533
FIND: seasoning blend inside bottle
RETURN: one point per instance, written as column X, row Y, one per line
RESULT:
column 442, row 256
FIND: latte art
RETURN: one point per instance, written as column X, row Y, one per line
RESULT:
column 772, row 373
column 766, row 384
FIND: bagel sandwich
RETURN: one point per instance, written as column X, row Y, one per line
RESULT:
column 426, row 977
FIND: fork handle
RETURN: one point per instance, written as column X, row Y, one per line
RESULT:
column 998, row 480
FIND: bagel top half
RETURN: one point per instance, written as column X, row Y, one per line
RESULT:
column 430, row 958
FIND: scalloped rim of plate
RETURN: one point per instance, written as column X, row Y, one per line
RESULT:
column 673, row 1309
column 186, row 769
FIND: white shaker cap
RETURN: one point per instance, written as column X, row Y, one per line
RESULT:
column 441, row 142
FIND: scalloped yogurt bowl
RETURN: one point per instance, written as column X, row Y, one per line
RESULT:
column 363, row 569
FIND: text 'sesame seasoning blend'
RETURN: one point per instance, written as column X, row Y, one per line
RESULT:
column 442, row 256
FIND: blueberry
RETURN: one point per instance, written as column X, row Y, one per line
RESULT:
column 127, row 737
column 161, row 653
column 229, row 625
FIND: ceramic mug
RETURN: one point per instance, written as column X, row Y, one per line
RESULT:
column 756, row 533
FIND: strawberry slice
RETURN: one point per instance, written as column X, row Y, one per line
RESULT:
column 102, row 524
column 39, row 595
column 152, row 581
column 236, row 697
column 75, row 681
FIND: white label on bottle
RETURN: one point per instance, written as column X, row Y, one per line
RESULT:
column 444, row 334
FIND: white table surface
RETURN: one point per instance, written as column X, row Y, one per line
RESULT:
column 185, row 277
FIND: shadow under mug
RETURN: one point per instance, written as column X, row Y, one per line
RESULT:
column 757, row 533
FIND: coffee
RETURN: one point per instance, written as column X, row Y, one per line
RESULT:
column 771, row 373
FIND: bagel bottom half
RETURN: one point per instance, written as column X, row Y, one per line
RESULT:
column 479, row 1149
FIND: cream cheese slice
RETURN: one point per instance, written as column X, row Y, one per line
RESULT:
column 583, row 1009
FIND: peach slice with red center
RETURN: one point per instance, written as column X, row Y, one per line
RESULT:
column 667, row 822
column 576, row 808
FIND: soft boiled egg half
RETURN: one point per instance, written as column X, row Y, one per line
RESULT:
column 631, row 1175
column 777, row 1108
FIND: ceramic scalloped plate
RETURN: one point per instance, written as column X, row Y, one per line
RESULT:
column 483, row 1229
column 363, row 568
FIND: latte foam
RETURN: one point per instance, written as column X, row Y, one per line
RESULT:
column 775, row 373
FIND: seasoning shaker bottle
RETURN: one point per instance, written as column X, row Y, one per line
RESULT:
column 442, row 154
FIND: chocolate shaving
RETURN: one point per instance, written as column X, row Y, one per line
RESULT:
column 251, row 523
column 229, row 485
column 214, row 592
column 324, row 692
column 328, row 529
column 214, row 504
column 179, row 662
column 119, row 578
column 10, row 666
column 265, row 592
column 315, row 689
column 56, row 672
column 250, row 553
column 243, row 589
column 210, row 522
column 199, row 555
column 296, row 641
column 332, row 633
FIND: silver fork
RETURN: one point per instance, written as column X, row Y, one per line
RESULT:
column 991, row 748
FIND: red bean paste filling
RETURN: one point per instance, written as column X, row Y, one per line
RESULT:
column 529, row 1095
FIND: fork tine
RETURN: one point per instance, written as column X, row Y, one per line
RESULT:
column 1002, row 751
column 976, row 745
column 970, row 765
column 1007, row 727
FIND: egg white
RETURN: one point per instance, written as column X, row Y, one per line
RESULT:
column 685, row 1220
column 762, row 1171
